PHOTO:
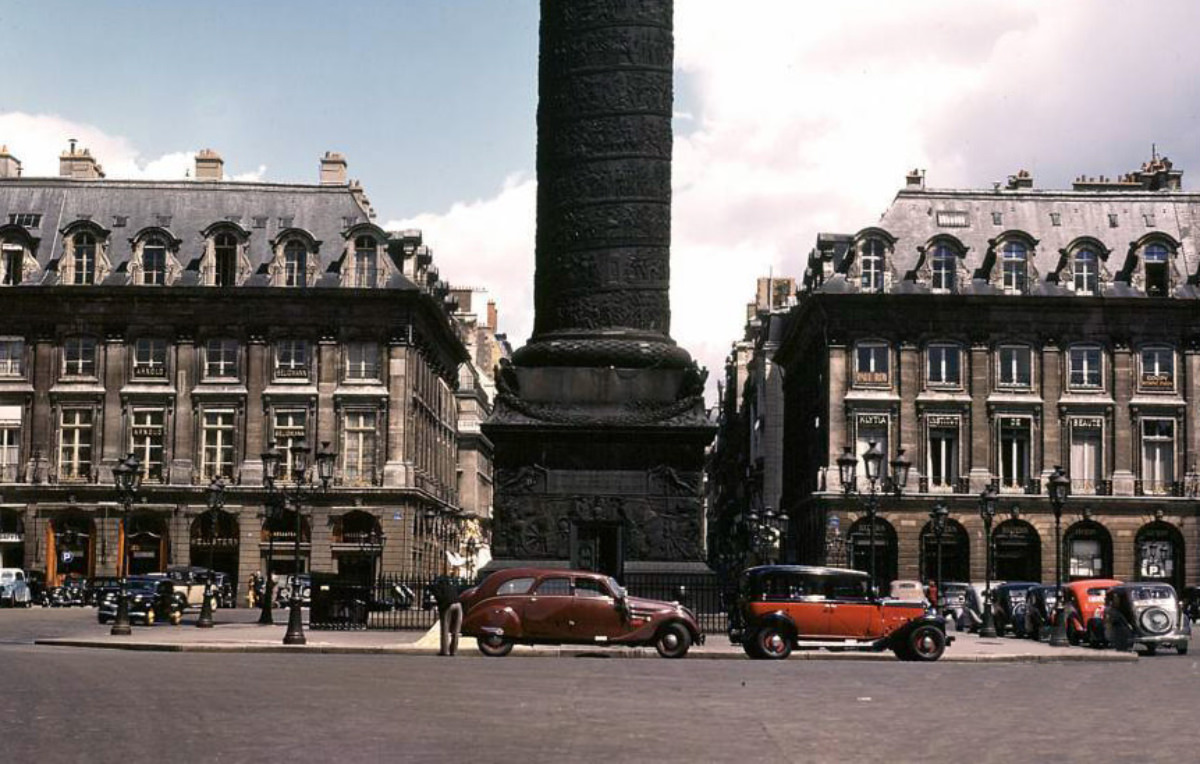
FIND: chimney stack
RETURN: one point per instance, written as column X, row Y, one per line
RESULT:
column 10, row 166
column 333, row 169
column 78, row 163
column 1022, row 180
column 915, row 179
column 209, row 165
column 491, row 316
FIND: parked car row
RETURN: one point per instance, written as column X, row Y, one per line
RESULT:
column 20, row 588
column 1096, row 612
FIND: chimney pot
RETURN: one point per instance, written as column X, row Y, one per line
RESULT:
column 209, row 165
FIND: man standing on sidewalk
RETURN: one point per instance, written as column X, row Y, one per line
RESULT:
column 450, row 614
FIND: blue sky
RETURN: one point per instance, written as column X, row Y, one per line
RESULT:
column 793, row 117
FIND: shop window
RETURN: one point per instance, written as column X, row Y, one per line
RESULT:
column 291, row 359
column 150, row 359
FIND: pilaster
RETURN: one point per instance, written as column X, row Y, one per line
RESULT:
column 1124, row 442
column 980, row 437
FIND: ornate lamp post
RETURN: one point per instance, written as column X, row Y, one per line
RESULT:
column 127, row 476
column 872, row 463
column 300, row 488
column 272, row 509
column 987, row 512
column 1060, row 488
column 215, row 495
column 937, row 517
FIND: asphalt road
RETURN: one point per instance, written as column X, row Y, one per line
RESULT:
column 111, row 706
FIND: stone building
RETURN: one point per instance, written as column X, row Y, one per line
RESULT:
column 994, row 335
column 195, row 322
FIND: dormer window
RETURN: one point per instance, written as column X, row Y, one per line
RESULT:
column 12, row 264
column 225, row 260
column 872, row 265
column 943, row 266
column 1155, row 257
column 1087, row 272
column 366, row 261
column 83, row 258
column 295, row 264
column 1015, row 267
column 154, row 261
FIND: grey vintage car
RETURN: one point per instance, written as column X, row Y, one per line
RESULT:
column 1147, row 614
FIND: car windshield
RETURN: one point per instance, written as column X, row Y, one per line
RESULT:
column 8, row 575
column 142, row 586
column 616, row 588
column 1144, row 593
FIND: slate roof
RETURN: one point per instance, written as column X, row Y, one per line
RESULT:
column 184, row 209
column 913, row 220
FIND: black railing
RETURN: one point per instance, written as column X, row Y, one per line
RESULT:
column 399, row 603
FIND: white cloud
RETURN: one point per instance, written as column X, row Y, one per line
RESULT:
column 38, row 139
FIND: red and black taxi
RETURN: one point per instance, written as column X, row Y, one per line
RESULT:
column 782, row 607
column 553, row 606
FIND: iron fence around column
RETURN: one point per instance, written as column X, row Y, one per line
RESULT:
column 398, row 603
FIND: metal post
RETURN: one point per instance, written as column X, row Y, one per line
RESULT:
column 127, row 476
column 988, row 629
column 266, row 617
column 1059, row 488
column 872, row 508
column 295, row 629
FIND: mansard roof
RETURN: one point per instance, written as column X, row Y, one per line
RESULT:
column 1054, row 219
column 187, row 210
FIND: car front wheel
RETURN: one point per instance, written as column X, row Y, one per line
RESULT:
column 926, row 643
column 495, row 646
column 673, row 641
column 773, row 643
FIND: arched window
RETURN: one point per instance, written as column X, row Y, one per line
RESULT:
column 225, row 257
column 154, row 261
column 1087, row 546
column 295, row 264
column 1015, row 268
column 1155, row 257
column 83, row 258
column 956, row 553
column 1087, row 272
column 872, row 265
column 943, row 266
column 1016, row 552
column 886, row 550
column 366, row 261
column 1159, row 549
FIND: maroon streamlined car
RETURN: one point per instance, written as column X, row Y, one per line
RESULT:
column 550, row 606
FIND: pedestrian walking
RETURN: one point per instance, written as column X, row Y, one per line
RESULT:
column 450, row 614
column 252, row 589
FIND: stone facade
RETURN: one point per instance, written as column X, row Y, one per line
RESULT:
column 194, row 323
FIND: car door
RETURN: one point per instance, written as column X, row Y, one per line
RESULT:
column 850, row 612
column 802, row 598
column 594, row 616
column 546, row 613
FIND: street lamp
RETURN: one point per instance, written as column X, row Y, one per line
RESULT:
column 127, row 476
column 215, row 495
column 872, row 463
column 301, row 487
column 988, row 499
column 1060, row 488
column 937, row 517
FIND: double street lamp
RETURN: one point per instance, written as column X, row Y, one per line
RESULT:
column 127, row 476
column 873, row 464
column 765, row 531
column 1060, row 488
column 215, row 496
column 937, row 518
column 988, row 500
column 295, row 492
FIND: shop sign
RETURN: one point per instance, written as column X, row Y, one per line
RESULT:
column 942, row 420
column 11, row 538
column 1087, row 423
column 872, row 419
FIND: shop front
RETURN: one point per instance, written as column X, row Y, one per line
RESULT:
column 1159, row 554
column 144, row 543
column 956, row 553
column 213, row 540
column 70, row 547
column 12, row 538
column 357, row 544
column 1018, row 551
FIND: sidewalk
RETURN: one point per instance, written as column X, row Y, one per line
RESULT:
column 251, row 638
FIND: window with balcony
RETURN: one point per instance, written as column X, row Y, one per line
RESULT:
column 1158, row 455
column 943, row 365
column 1016, row 366
column 1015, row 452
column 1084, row 367
column 1087, row 452
column 12, row 357
column 943, row 456
column 1157, row 370
column 871, row 364
column 75, row 444
column 10, row 443
column 146, row 440
column 291, row 359
column 79, row 357
column 358, row 448
column 221, row 358
column 150, row 359
column 362, row 361
column 216, row 451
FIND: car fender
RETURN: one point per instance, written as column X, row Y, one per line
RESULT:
column 776, row 618
column 492, row 620
column 697, row 637
column 898, row 637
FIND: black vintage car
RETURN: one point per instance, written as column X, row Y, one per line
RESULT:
column 150, row 599
column 1008, row 607
column 1040, row 602
column 36, row 580
column 1189, row 600
column 99, row 586
column 73, row 592
column 1146, row 614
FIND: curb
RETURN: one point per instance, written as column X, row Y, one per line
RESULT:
column 551, row 652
